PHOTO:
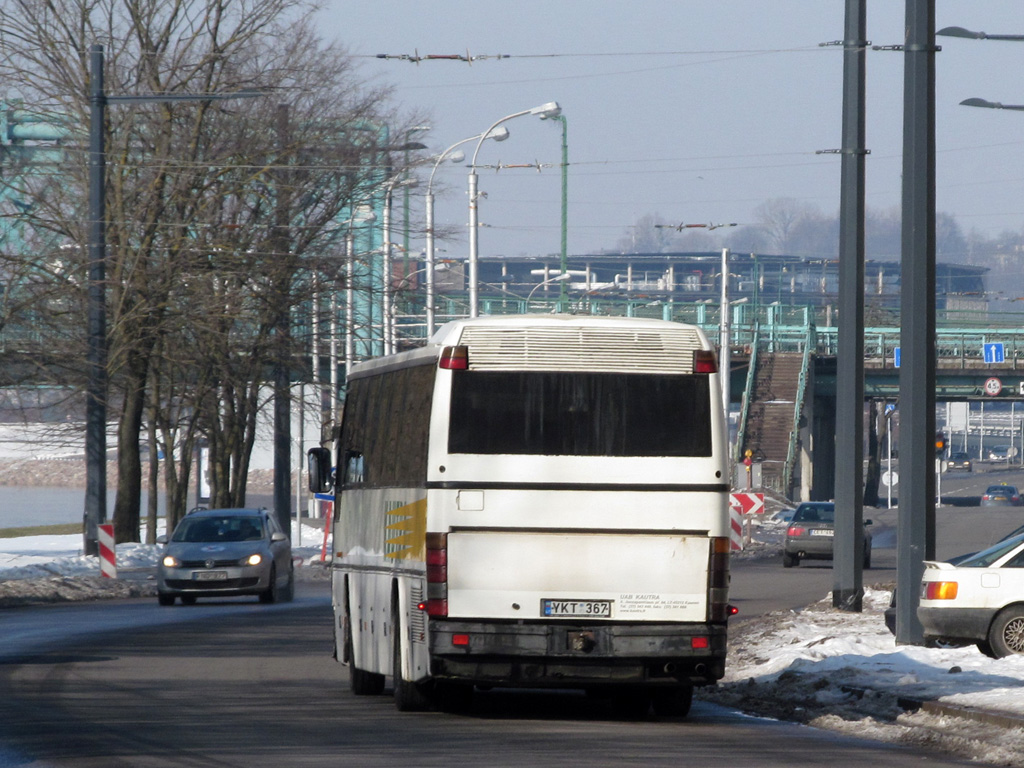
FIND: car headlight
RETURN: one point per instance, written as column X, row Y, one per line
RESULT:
column 252, row 559
column 170, row 561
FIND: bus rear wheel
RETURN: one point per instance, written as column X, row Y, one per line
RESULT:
column 672, row 702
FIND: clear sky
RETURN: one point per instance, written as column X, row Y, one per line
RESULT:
column 694, row 111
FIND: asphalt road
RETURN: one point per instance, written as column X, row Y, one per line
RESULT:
column 127, row 683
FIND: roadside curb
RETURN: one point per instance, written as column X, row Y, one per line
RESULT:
column 988, row 717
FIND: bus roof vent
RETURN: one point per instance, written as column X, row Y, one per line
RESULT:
column 582, row 348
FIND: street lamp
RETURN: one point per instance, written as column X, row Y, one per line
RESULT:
column 405, row 195
column 975, row 102
column 498, row 134
column 564, row 261
column 562, row 278
column 549, row 110
column 388, row 330
column 961, row 32
column 967, row 33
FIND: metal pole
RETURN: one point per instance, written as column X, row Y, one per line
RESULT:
column 916, row 523
column 724, row 350
column 428, row 277
column 474, row 254
column 386, row 269
column 848, row 562
column 96, row 390
column 889, row 435
column 350, row 314
column 282, row 377
column 563, row 295
column 332, row 400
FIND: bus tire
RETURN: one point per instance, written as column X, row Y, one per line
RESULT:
column 409, row 696
column 672, row 702
column 632, row 703
column 453, row 697
column 361, row 682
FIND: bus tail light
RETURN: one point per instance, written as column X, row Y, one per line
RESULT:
column 704, row 361
column 454, row 358
column 718, row 579
column 437, row 574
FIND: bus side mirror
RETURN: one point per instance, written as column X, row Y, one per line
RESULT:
column 319, row 465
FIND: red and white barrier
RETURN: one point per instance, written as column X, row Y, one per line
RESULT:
column 741, row 505
column 108, row 558
column 735, row 527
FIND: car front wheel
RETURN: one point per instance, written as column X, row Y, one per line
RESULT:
column 1006, row 635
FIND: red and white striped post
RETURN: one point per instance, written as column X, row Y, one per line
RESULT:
column 108, row 558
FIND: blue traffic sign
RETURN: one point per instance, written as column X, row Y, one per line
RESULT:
column 896, row 357
column 994, row 352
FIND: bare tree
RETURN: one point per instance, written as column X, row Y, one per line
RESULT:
column 199, row 271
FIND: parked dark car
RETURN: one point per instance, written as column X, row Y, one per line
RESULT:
column 1001, row 495
column 811, row 534
column 226, row 552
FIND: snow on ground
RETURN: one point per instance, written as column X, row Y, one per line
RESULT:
column 827, row 668
column 37, row 569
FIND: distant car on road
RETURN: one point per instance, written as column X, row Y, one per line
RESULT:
column 811, row 533
column 1000, row 453
column 226, row 552
column 977, row 600
column 780, row 516
column 959, row 461
column 1001, row 495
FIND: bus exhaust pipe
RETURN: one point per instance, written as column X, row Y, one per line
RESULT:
column 700, row 669
column 670, row 668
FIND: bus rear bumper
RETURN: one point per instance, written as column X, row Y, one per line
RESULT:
column 564, row 655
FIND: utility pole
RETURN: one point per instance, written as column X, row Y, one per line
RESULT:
column 915, row 530
column 96, row 359
column 848, row 565
column 282, row 378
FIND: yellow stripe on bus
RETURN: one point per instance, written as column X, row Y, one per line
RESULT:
column 410, row 523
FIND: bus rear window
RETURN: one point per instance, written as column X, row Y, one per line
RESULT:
column 580, row 414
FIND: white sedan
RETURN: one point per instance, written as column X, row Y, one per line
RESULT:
column 979, row 600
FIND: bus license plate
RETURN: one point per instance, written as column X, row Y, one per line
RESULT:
column 210, row 575
column 576, row 608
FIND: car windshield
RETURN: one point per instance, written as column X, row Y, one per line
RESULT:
column 986, row 557
column 222, row 528
column 815, row 513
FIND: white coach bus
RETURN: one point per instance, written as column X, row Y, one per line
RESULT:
column 533, row 501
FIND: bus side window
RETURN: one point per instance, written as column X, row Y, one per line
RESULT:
column 354, row 469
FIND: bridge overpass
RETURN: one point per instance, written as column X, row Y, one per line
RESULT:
column 798, row 447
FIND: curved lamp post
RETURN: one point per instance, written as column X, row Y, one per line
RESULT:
column 549, row 110
column 498, row 134
column 560, row 278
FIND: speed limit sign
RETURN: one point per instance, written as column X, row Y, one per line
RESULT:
column 993, row 386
